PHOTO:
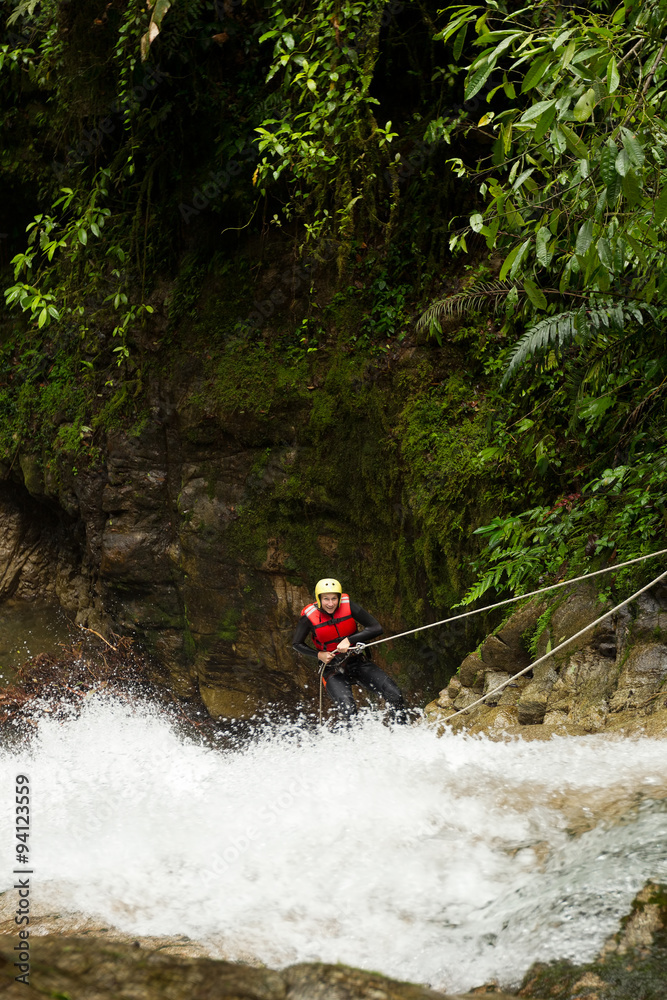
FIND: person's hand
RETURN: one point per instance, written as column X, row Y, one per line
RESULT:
column 325, row 657
column 343, row 645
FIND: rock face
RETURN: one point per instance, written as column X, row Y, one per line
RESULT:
column 87, row 968
column 612, row 677
column 146, row 546
column 42, row 553
column 175, row 537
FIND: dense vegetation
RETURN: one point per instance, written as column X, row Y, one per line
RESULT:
column 484, row 181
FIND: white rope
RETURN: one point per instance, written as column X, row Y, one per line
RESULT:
column 321, row 688
column 560, row 646
column 521, row 597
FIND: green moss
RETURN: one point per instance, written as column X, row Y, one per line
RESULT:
column 228, row 627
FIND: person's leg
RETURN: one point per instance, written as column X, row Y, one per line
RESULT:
column 375, row 679
column 339, row 690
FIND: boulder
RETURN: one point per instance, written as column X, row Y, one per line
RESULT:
column 573, row 613
column 492, row 680
column 471, row 672
column 496, row 655
column 453, row 688
column 532, row 704
column 642, row 677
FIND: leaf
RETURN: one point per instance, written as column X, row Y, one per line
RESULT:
column 584, row 237
column 623, row 162
column 574, row 143
column 83, row 236
column 160, row 8
column 476, row 222
column 477, row 81
column 608, row 162
column 522, row 178
column 604, row 253
column 633, row 148
column 558, row 140
column 542, row 251
column 638, row 250
column 631, row 187
column 288, row 40
column 537, row 110
column 583, row 109
column 544, row 123
column 516, row 263
column 535, row 294
column 613, row 77
column 509, row 260
column 95, row 229
column 660, row 206
column 459, row 42
column 536, row 72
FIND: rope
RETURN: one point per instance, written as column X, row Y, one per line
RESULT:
column 322, row 669
column 522, row 597
column 551, row 652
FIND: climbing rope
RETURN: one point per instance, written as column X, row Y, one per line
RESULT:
column 521, row 597
column 560, row 646
column 360, row 647
column 353, row 649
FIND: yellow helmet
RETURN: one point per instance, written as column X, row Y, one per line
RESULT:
column 327, row 586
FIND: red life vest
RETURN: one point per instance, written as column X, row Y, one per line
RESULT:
column 328, row 630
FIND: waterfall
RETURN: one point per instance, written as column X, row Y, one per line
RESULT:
column 447, row 861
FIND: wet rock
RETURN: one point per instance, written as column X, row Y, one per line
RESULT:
column 471, row 672
column 41, row 552
column 465, row 698
column 511, row 694
column 645, row 926
column 649, row 615
column 532, row 704
column 33, row 477
column 492, row 680
column 497, row 655
column 632, row 964
column 89, row 968
column 642, row 677
column 453, row 688
column 570, row 615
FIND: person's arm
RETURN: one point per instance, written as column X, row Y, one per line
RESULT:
column 371, row 627
column 300, row 636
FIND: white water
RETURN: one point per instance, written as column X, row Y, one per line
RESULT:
column 442, row 860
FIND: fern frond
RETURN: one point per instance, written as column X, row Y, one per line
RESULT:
column 550, row 331
column 581, row 325
column 483, row 295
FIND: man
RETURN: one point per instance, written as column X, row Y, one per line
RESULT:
column 331, row 622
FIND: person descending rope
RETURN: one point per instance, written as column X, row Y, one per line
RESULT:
column 331, row 622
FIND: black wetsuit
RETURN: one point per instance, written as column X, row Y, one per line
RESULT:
column 359, row 669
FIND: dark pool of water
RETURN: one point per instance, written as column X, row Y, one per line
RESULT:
column 28, row 628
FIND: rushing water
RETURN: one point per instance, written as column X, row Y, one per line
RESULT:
column 442, row 860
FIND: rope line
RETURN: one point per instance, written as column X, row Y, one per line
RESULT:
column 551, row 652
column 522, row 597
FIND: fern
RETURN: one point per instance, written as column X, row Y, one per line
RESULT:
column 581, row 325
column 474, row 299
column 26, row 8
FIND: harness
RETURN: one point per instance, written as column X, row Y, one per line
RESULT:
column 328, row 630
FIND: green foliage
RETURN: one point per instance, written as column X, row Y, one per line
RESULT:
column 326, row 144
column 572, row 195
column 620, row 515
